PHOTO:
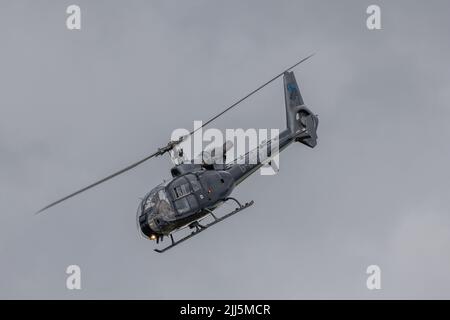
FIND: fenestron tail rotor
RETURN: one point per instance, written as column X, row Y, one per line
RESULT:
column 171, row 144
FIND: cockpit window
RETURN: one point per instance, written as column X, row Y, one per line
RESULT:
column 162, row 195
column 150, row 202
column 157, row 201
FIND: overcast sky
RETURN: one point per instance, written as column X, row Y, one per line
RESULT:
column 78, row 105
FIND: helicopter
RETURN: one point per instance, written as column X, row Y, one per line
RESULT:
column 198, row 188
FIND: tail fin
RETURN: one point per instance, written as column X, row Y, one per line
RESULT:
column 300, row 120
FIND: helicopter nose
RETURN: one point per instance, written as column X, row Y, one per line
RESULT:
column 146, row 229
column 149, row 232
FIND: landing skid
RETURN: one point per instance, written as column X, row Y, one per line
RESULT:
column 199, row 227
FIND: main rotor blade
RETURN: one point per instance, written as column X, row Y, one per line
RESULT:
column 248, row 95
column 100, row 181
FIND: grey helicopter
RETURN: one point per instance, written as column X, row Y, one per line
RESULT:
column 198, row 188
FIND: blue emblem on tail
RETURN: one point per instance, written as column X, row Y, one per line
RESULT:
column 293, row 91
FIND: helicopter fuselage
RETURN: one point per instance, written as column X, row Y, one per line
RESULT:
column 197, row 189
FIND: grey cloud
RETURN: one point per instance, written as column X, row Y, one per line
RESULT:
column 76, row 105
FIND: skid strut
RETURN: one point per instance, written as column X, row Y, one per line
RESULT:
column 199, row 227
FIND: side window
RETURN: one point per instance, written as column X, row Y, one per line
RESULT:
column 181, row 190
column 177, row 192
column 185, row 204
column 182, row 205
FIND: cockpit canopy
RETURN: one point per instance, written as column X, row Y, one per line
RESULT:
column 156, row 201
column 171, row 204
